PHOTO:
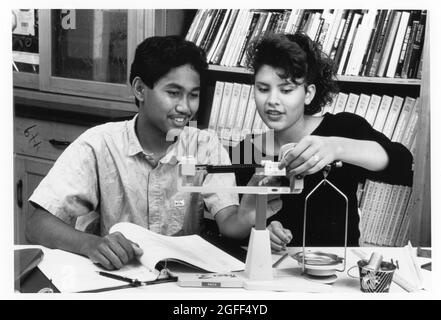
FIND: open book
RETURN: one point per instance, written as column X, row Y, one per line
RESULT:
column 192, row 250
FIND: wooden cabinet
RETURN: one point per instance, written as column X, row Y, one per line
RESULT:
column 28, row 172
column 37, row 144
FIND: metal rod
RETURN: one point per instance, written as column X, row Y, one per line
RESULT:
column 261, row 205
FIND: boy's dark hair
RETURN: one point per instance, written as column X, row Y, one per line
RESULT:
column 156, row 56
column 298, row 57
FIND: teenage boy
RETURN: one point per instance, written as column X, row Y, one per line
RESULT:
column 126, row 171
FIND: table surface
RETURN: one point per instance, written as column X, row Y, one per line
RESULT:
column 287, row 275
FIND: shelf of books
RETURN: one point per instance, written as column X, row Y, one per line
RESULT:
column 368, row 43
column 379, row 58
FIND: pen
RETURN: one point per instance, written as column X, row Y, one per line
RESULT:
column 280, row 260
column 133, row 282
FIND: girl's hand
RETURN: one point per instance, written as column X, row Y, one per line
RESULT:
column 279, row 236
column 309, row 156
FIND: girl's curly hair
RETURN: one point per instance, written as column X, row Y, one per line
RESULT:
column 298, row 57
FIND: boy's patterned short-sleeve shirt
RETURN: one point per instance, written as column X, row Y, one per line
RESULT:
column 106, row 173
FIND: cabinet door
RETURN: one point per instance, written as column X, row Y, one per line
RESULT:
column 28, row 173
column 88, row 52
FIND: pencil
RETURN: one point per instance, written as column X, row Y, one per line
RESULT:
column 134, row 282
column 280, row 260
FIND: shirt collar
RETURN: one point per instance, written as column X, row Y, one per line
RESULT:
column 134, row 146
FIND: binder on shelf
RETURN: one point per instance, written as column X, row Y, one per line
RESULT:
column 372, row 108
column 215, row 105
column 234, row 104
column 392, row 116
column 225, row 106
column 341, row 102
column 242, row 108
column 383, row 110
column 362, row 105
column 351, row 104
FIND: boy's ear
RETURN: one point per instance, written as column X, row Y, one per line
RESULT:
column 310, row 93
column 138, row 88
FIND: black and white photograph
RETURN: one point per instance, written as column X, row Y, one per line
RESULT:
column 189, row 152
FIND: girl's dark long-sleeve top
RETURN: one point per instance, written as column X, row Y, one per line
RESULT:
column 326, row 208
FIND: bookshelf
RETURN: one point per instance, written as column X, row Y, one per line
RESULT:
column 355, row 80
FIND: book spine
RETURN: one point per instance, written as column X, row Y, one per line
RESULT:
column 215, row 106
column 344, row 36
column 365, row 208
column 361, row 42
column 384, row 214
column 351, row 104
column 247, row 39
column 231, row 41
column 403, row 219
column 362, row 105
column 219, row 35
column 398, row 198
column 376, row 37
column 368, row 49
column 398, row 44
column 385, row 56
column 332, row 32
column 255, row 35
column 377, row 214
column 410, row 45
column 224, row 39
column 392, row 117
column 225, row 105
column 341, row 102
column 406, row 111
column 243, row 103
column 214, row 29
column 251, row 111
column 234, row 104
column 381, row 43
column 338, row 38
column 417, row 47
column 383, row 110
column 194, row 25
column 372, row 109
column 387, row 227
column 350, row 38
column 205, row 27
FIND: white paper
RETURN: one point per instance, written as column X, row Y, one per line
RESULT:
column 72, row 273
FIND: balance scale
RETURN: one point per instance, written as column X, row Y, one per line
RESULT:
column 258, row 266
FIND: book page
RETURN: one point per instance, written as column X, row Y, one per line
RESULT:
column 192, row 249
column 70, row 272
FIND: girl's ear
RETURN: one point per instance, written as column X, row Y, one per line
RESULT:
column 310, row 93
column 138, row 88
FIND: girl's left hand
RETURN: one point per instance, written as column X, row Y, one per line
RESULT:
column 309, row 156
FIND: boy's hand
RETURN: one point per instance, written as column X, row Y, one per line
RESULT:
column 112, row 251
column 279, row 236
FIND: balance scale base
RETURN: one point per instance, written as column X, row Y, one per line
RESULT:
column 258, row 265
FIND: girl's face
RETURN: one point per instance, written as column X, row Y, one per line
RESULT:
column 280, row 102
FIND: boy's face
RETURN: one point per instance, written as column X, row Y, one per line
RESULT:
column 173, row 101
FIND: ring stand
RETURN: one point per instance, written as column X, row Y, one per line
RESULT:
column 316, row 265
